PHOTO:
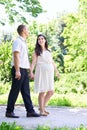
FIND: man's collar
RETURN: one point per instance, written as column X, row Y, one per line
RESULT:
column 22, row 38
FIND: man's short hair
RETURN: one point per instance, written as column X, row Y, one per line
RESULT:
column 20, row 29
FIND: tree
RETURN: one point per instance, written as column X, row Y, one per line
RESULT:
column 75, row 34
column 83, row 8
column 20, row 10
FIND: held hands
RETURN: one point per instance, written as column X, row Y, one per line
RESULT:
column 31, row 75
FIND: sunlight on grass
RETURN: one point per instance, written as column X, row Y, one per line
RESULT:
column 72, row 100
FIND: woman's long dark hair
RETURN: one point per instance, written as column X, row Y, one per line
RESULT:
column 38, row 49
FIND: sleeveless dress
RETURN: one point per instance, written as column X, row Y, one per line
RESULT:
column 44, row 73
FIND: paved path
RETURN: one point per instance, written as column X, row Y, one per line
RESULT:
column 59, row 117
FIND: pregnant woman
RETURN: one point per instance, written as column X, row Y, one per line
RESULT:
column 44, row 73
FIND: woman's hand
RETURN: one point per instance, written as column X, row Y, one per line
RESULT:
column 31, row 75
column 58, row 75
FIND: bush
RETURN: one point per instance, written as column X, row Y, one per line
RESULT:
column 10, row 126
column 72, row 83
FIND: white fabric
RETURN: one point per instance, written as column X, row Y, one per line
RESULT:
column 44, row 74
column 21, row 46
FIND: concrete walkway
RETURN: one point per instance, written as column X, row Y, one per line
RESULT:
column 59, row 117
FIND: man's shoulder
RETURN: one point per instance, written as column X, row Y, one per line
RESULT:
column 17, row 41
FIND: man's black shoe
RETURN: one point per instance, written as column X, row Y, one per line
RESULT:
column 33, row 114
column 11, row 115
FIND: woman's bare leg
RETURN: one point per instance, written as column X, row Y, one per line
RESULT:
column 47, row 98
column 41, row 101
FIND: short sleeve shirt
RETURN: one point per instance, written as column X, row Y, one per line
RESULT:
column 20, row 46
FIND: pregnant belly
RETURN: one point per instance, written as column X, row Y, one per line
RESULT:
column 46, row 67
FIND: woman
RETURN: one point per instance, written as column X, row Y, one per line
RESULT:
column 44, row 73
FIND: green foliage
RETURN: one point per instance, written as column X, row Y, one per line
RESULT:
column 81, row 127
column 4, row 87
column 83, row 8
column 76, row 40
column 13, row 126
column 5, row 58
column 72, row 83
column 10, row 126
column 18, row 9
column 42, row 127
column 61, row 101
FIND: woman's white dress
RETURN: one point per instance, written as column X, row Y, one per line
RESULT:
column 44, row 73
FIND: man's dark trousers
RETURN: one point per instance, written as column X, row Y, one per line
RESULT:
column 22, row 86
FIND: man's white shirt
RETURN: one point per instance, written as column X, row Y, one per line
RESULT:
column 20, row 46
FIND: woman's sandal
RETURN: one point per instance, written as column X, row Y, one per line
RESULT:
column 45, row 111
column 43, row 114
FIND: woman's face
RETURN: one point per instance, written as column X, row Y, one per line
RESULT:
column 41, row 41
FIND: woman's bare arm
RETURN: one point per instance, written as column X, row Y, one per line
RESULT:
column 56, row 70
column 34, row 60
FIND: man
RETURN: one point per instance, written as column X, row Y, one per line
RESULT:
column 20, row 78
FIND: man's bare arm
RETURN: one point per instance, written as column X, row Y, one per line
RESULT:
column 16, row 65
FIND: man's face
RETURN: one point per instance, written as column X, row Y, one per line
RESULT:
column 25, row 31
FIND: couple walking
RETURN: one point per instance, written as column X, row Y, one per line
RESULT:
column 43, row 78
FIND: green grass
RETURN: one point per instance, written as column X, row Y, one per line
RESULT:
column 14, row 126
column 81, row 127
column 72, row 100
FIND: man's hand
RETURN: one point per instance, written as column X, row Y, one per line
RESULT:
column 17, row 75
